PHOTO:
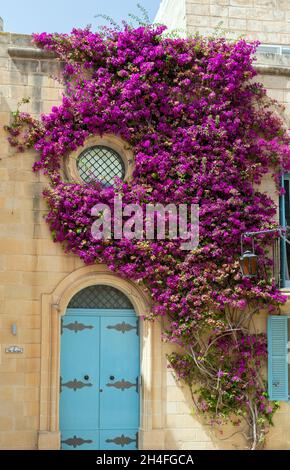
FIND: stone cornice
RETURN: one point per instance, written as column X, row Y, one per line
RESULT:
column 30, row 53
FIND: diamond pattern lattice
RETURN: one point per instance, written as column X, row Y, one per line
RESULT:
column 100, row 163
column 100, row 297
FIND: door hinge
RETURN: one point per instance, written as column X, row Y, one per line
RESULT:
column 139, row 383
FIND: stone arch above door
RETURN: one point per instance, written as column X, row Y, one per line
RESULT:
column 53, row 307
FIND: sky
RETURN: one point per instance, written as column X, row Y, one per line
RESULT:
column 29, row 16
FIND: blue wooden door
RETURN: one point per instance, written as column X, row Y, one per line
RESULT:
column 100, row 380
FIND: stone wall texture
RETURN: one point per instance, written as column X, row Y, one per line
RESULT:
column 30, row 264
column 265, row 20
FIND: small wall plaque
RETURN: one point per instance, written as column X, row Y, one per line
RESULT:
column 14, row 350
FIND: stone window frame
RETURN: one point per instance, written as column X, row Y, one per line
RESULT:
column 111, row 141
column 53, row 307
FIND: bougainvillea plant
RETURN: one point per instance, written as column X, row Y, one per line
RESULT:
column 202, row 131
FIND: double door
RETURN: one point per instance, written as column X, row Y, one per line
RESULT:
column 100, row 380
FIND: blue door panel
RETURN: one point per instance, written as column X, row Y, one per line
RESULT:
column 79, row 408
column 119, row 439
column 119, row 373
column 80, row 440
column 100, row 367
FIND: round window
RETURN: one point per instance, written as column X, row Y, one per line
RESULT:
column 100, row 163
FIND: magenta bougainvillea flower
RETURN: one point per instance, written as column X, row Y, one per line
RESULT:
column 202, row 132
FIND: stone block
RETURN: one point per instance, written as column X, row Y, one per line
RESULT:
column 276, row 94
column 282, row 4
column 21, row 40
column 236, row 12
column 198, row 9
column 47, row 280
column 196, row 20
column 7, row 393
column 31, row 408
column 32, row 379
column 187, row 435
column 218, row 10
column 5, row 38
column 237, row 24
column 25, row 66
column 21, row 263
column 48, row 440
column 242, row 3
column 29, row 336
column 266, row 3
column 253, row 25
column 11, row 77
column 274, row 81
column 8, row 363
column 6, row 423
column 27, row 394
column 220, row 22
column 27, row 308
column 4, row 63
column 31, row 351
column 171, row 407
column 10, row 277
column 180, row 421
column 51, row 94
column 26, row 423
column 50, row 67
column 26, row 440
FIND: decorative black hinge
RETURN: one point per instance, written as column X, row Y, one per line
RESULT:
column 76, row 441
column 76, row 326
column 123, row 327
column 123, row 440
column 124, row 384
column 74, row 384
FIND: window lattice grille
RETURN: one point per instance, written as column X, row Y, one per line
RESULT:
column 100, row 163
column 100, row 297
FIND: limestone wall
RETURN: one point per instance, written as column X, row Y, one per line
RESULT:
column 30, row 263
column 265, row 20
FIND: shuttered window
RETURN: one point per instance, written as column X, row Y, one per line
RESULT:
column 278, row 357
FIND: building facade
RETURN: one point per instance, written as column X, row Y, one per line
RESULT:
column 40, row 284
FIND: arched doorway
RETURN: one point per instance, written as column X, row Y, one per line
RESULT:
column 100, row 371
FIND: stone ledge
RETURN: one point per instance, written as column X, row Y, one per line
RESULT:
column 272, row 64
column 30, row 53
column 272, row 70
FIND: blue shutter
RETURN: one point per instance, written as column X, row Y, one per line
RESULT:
column 278, row 357
column 282, row 241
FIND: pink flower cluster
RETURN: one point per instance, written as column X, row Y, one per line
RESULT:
column 202, row 131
